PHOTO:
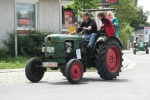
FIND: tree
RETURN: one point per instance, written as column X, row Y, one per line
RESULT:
column 141, row 19
column 126, row 12
column 147, row 24
column 125, row 35
column 80, row 5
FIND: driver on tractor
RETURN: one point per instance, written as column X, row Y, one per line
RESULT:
column 89, row 27
column 139, row 39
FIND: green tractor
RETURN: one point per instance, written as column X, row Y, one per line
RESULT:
column 140, row 46
column 72, row 57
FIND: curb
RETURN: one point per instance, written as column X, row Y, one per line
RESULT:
column 125, row 64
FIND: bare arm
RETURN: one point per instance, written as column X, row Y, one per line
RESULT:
column 89, row 28
column 73, row 33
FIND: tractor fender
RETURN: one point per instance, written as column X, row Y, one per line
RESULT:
column 105, row 39
column 115, row 38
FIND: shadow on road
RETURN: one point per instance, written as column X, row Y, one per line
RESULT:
column 88, row 80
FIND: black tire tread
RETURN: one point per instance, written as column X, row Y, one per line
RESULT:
column 100, row 61
column 28, row 73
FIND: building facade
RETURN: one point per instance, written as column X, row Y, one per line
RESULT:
column 22, row 15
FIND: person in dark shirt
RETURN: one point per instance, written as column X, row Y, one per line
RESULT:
column 107, row 26
column 89, row 27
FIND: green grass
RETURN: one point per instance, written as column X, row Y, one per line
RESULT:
column 19, row 62
column 92, row 69
column 13, row 62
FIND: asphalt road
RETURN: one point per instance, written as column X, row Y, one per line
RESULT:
column 132, row 84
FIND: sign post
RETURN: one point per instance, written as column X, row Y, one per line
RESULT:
column 15, row 29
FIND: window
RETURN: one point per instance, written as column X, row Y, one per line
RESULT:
column 26, row 16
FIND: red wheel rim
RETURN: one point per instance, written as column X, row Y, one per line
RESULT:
column 76, row 71
column 113, row 59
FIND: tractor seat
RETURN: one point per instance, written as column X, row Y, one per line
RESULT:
column 103, row 34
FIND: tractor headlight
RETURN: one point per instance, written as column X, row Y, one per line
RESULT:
column 43, row 49
column 49, row 39
column 136, row 44
column 145, row 44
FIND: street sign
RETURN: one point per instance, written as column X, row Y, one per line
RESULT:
column 111, row 0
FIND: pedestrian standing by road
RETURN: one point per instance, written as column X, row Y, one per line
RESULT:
column 111, row 16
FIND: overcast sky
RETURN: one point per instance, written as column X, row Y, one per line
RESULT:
column 146, row 6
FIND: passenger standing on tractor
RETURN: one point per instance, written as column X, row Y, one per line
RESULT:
column 114, row 21
column 89, row 27
column 107, row 26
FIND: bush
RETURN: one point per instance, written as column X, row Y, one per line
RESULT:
column 3, row 52
column 28, row 44
column 125, row 35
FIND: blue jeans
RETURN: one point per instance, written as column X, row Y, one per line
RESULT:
column 91, row 37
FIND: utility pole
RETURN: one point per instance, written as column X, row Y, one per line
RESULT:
column 15, row 28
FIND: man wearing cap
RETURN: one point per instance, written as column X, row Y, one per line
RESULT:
column 89, row 27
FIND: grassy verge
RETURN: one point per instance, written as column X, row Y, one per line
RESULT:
column 13, row 62
column 19, row 62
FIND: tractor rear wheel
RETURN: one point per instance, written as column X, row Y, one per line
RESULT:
column 74, row 71
column 147, row 51
column 109, row 59
column 32, row 71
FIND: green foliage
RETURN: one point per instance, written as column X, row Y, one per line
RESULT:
column 127, row 14
column 125, row 35
column 81, row 5
column 142, row 18
column 8, row 62
column 28, row 44
column 3, row 51
column 147, row 24
column 126, row 11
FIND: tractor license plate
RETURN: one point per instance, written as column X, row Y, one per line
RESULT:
column 49, row 64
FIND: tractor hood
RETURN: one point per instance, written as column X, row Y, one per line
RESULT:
column 62, row 38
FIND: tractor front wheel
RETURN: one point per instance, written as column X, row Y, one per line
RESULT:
column 147, row 51
column 32, row 70
column 134, row 51
column 74, row 71
column 109, row 60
